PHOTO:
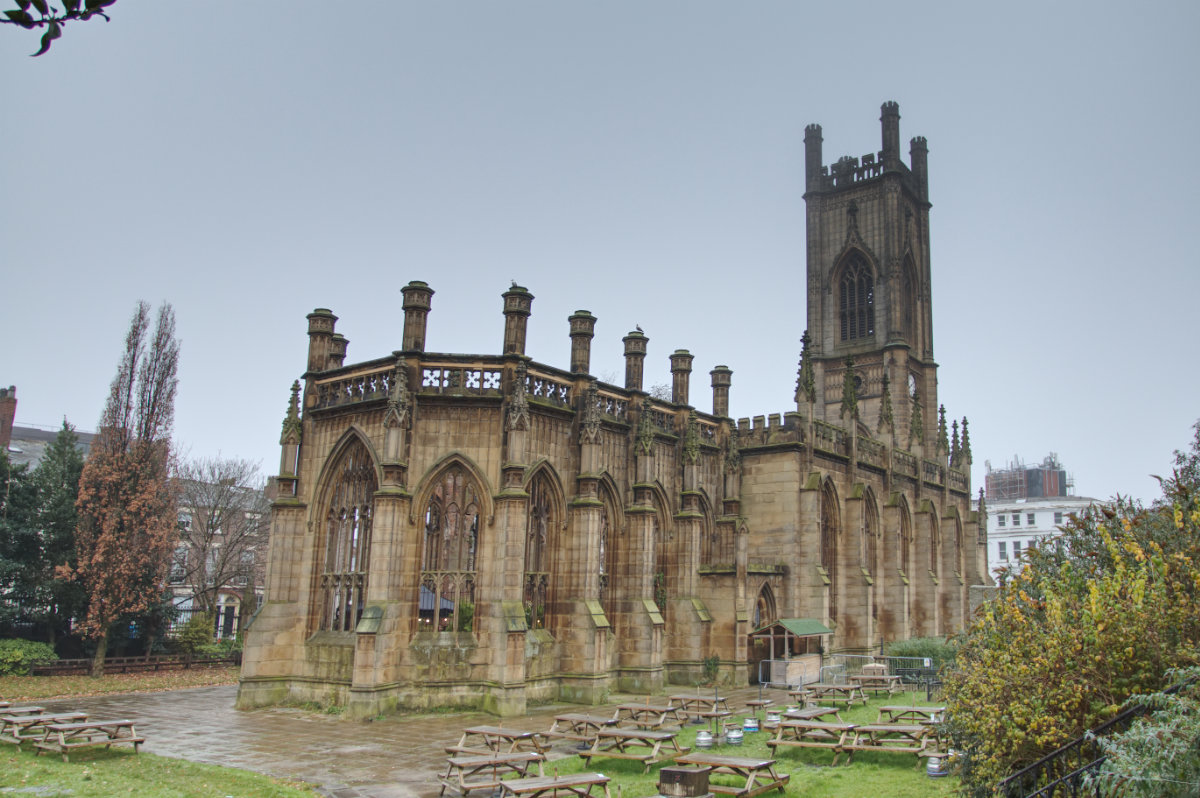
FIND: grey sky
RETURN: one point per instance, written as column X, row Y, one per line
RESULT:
column 248, row 162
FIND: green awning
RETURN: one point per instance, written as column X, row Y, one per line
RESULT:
column 801, row 627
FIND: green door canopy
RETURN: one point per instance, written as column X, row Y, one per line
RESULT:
column 801, row 627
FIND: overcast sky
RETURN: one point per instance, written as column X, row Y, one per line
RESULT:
column 248, row 162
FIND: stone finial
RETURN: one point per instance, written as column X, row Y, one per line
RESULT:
column 887, row 419
column 397, row 404
column 291, row 421
column 635, row 355
column 955, row 452
column 517, row 309
column 943, row 441
column 916, row 426
column 418, row 298
column 645, row 429
column 681, row 373
column 722, row 378
column 321, row 324
column 889, row 118
column 583, row 325
column 965, row 454
column 849, row 391
column 518, row 401
column 733, row 451
column 589, row 428
column 691, row 440
column 806, row 383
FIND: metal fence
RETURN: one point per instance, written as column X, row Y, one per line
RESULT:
column 917, row 674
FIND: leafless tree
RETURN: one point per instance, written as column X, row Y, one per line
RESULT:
column 223, row 529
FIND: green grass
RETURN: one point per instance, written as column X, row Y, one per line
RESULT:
column 96, row 773
column 813, row 775
column 25, row 689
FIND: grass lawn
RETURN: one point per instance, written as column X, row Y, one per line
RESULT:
column 37, row 688
column 96, row 773
column 876, row 775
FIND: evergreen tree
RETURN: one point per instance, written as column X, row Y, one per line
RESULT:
column 57, row 482
column 19, row 550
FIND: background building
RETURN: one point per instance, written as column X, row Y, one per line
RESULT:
column 1025, row 506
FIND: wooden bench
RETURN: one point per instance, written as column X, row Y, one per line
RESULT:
column 759, row 774
column 485, row 772
column 17, row 729
column 580, row 784
column 23, row 710
column 640, row 745
column 62, row 738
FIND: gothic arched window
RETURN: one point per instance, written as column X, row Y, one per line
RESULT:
column 447, row 602
column 856, row 300
column 343, row 587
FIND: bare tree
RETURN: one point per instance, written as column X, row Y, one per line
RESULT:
column 223, row 529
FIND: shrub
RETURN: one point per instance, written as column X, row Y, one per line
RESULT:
column 196, row 634
column 1158, row 756
column 18, row 656
column 932, row 648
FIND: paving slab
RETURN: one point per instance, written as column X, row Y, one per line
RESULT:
column 398, row 756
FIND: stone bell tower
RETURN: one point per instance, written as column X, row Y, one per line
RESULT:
column 868, row 282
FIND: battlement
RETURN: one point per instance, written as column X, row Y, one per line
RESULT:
column 849, row 170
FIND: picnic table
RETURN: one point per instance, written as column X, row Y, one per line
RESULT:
column 23, row 710
column 838, row 693
column 579, row 784
column 18, row 728
column 896, row 714
column 579, row 726
column 758, row 704
column 812, row 713
column 496, row 739
column 878, row 683
column 759, row 774
column 811, row 734
column 894, row 738
column 648, row 716
column 642, row 745
column 62, row 738
column 707, row 707
column 484, row 771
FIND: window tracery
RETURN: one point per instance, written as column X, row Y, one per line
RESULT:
column 343, row 584
column 447, row 602
column 856, row 298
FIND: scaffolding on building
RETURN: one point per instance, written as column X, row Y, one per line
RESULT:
column 1017, row 481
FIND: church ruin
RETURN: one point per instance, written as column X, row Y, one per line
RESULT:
column 485, row 530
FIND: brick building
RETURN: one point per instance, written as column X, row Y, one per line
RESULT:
column 487, row 530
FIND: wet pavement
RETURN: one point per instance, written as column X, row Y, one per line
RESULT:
column 396, row 757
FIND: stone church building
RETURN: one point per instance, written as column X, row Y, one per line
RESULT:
column 484, row 530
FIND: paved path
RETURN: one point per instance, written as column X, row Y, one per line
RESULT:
column 397, row 757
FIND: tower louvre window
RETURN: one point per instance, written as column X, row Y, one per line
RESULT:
column 857, row 300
